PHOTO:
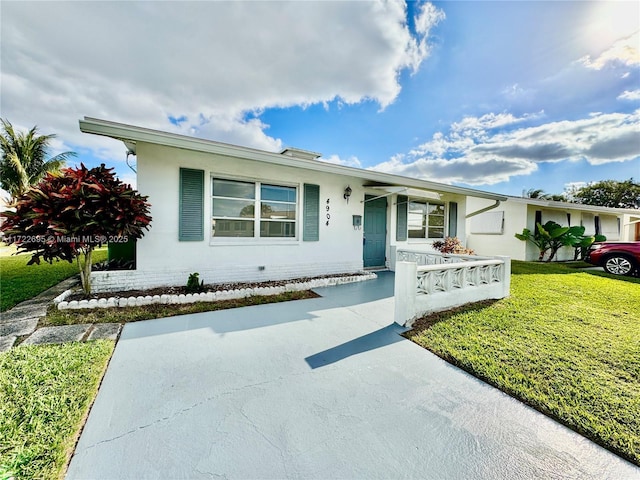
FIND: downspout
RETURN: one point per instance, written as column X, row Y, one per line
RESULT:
column 482, row 210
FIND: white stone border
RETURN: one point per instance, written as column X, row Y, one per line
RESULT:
column 63, row 296
column 139, row 301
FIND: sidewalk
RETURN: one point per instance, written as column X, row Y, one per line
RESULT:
column 23, row 319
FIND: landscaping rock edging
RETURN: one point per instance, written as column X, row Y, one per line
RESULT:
column 139, row 301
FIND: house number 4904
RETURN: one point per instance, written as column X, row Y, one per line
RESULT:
column 328, row 214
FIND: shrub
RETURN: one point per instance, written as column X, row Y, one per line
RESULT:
column 68, row 214
column 194, row 284
column 452, row 245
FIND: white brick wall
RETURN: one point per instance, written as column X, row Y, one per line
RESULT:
column 123, row 280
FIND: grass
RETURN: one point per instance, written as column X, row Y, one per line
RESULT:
column 20, row 282
column 565, row 342
column 135, row 314
column 45, row 393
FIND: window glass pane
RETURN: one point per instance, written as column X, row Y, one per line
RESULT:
column 277, row 210
column 415, row 220
column 233, row 208
column 277, row 193
column 416, row 223
column 436, row 221
column 417, row 207
column 232, row 228
column 436, row 209
column 231, row 188
column 277, row 229
column 417, row 232
column 436, row 232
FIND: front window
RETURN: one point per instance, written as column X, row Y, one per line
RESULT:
column 426, row 220
column 251, row 209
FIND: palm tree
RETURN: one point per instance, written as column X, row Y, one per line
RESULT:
column 24, row 159
column 536, row 193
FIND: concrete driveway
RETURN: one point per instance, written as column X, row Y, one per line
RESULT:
column 322, row 388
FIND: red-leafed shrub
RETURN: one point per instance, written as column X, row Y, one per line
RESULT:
column 452, row 245
column 68, row 214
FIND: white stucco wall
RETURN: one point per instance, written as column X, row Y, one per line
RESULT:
column 164, row 260
column 228, row 259
column 519, row 215
column 515, row 219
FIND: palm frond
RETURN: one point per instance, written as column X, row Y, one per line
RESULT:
column 24, row 158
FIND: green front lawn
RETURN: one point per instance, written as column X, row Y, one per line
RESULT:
column 45, row 393
column 20, row 282
column 565, row 342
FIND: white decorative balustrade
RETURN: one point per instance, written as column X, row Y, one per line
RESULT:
column 432, row 258
column 432, row 282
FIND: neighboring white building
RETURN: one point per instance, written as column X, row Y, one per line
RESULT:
column 236, row 214
column 493, row 232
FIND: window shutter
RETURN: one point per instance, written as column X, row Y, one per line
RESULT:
column 453, row 219
column 311, row 213
column 402, row 207
column 538, row 220
column 191, row 222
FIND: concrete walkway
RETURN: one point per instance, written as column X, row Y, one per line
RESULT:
column 322, row 388
column 22, row 320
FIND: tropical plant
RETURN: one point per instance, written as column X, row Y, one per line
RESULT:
column 452, row 245
column 194, row 284
column 24, row 159
column 582, row 243
column 70, row 213
column 550, row 237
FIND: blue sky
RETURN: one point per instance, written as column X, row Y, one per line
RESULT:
column 499, row 96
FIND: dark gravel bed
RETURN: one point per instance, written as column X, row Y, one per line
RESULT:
column 218, row 287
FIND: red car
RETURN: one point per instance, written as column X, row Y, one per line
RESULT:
column 618, row 258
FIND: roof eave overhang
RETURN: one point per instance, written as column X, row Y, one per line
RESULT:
column 571, row 206
column 131, row 135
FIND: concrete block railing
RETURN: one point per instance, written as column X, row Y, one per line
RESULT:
column 448, row 282
column 139, row 301
column 433, row 258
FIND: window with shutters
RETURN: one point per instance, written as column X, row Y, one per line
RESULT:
column 244, row 209
column 425, row 220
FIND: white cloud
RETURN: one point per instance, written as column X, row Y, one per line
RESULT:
column 427, row 17
column 631, row 95
column 347, row 162
column 469, row 170
column 624, row 51
column 141, row 62
column 473, row 152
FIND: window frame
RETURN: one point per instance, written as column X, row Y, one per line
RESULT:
column 425, row 219
column 257, row 218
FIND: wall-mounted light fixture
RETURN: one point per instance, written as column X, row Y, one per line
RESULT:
column 347, row 193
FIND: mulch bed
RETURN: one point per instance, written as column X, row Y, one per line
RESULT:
column 218, row 287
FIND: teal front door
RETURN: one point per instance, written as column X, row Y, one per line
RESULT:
column 375, row 232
